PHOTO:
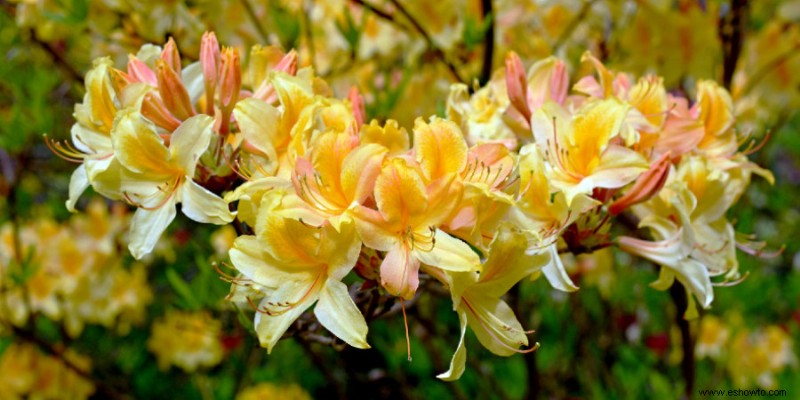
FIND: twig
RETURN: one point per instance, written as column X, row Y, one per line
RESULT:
column 309, row 37
column 488, row 43
column 248, row 8
column 322, row 365
column 417, row 27
column 732, row 36
column 380, row 13
column 678, row 294
column 567, row 32
column 440, row 54
column 768, row 67
column 102, row 387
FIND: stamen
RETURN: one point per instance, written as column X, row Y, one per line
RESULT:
column 405, row 323
column 65, row 151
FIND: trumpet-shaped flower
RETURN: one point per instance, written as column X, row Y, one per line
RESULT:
column 292, row 265
column 580, row 150
column 157, row 177
column 405, row 226
column 477, row 299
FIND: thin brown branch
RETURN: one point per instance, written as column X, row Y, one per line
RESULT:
column 488, row 43
column 251, row 13
column 103, row 388
column 678, row 294
column 762, row 72
column 731, row 34
column 380, row 13
column 573, row 24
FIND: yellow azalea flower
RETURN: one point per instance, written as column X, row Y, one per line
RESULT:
column 107, row 91
column 477, row 299
column 714, row 108
column 391, row 136
column 693, row 240
column 405, row 226
column 25, row 372
column 712, row 337
column 187, row 340
column 542, row 212
column 338, row 177
column 266, row 390
column 485, row 203
column 579, row 147
column 293, row 265
column 156, row 178
column 481, row 116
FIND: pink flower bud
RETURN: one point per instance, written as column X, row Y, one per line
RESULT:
column 172, row 91
column 154, row 110
column 288, row 63
column 517, row 85
column 171, row 56
column 140, row 72
column 648, row 185
column 209, row 59
column 357, row 102
column 230, row 79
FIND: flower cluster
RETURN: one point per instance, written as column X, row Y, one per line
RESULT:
column 527, row 167
column 756, row 356
column 186, row 340
column 27, row 373
column 73, row 273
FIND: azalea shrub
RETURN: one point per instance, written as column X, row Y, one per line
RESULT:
column 338, row 209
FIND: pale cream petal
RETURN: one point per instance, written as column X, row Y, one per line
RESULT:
column 190, row 141
column 337, row 312
column 459, row 360
column 78, row 183
column 259, row 122
column 147, row 227
column 201, row 205
column 450, row 254
column 555, row 272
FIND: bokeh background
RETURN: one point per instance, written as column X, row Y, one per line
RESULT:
column 79, row 318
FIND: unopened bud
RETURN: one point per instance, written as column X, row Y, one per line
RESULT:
column 171, row 56
column 172, row 91
column 288, row 63
column 357, row 102
column 230, row 79
column 517, row 85
column 154, row 110
column 209, row 59
column 648, row 185
column 141, row 72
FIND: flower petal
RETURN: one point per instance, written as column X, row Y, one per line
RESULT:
column 147, row 226
column 203, row 206
column 337, row 312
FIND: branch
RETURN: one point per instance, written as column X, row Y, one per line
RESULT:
column 567, row 32
column 102, row 387
column 417, row 27
column 731, row 34
column 678, row 294
column 248, row 8
column 488, row 42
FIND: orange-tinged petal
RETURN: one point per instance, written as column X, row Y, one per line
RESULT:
column 400, row 192
column 400, row 272
column 360, row 169
column 139, row 148
column 439, row 147
column 715, row 107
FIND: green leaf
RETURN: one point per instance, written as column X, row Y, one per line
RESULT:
column 182, row 289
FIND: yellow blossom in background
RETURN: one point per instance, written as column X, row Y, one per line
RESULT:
column 187, row 340
column 274, row 391
column 712, row 337
column 755, row 357
column 27, row 373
